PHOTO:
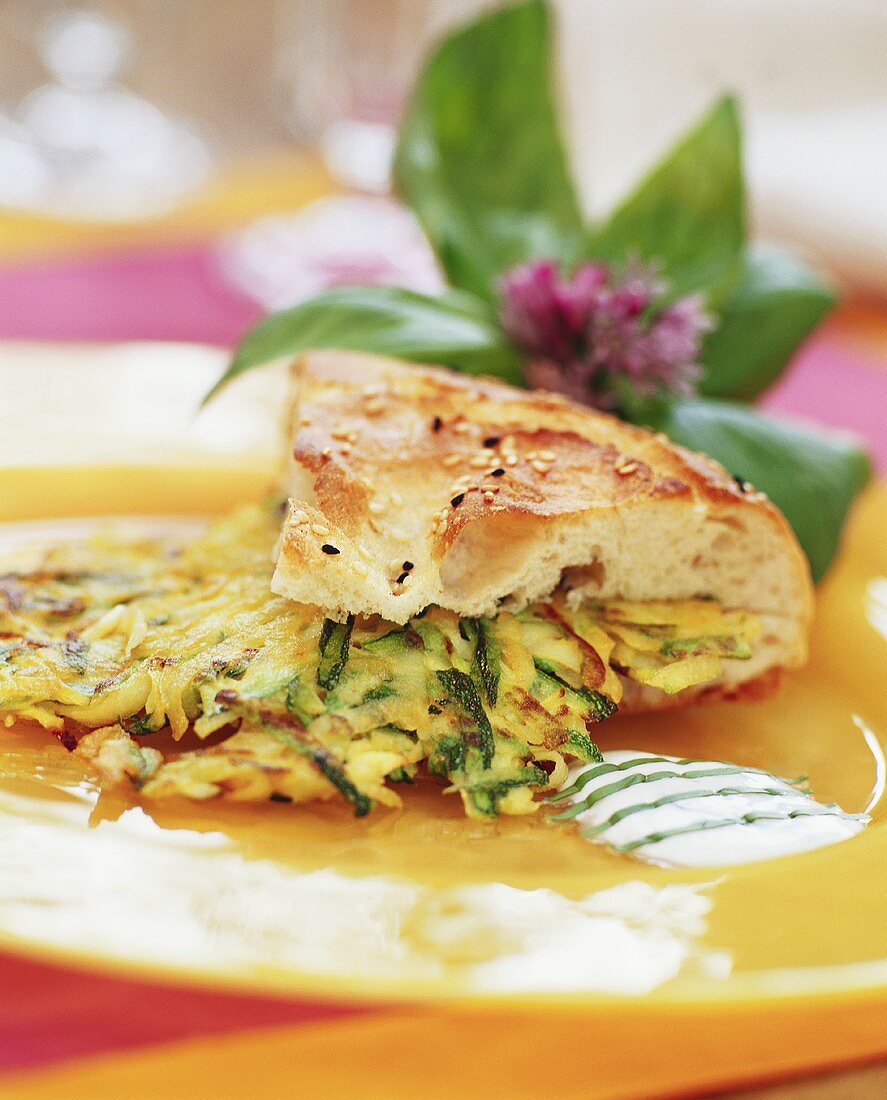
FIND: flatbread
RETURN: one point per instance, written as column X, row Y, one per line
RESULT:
column 411, row 486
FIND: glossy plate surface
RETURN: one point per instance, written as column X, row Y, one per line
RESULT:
column 422, row 903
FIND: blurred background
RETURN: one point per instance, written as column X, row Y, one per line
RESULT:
column 124, row 113
column 173, row 169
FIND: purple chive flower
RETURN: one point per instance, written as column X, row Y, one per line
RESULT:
column 589, row 334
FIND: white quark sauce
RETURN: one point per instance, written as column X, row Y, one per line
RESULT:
column 698, row 813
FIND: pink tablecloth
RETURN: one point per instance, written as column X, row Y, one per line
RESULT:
column 178, row 294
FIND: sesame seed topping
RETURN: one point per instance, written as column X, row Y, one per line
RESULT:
column 511, row 460
column 328, row 548
column 407, row 566
column 626, row 469
column 479, row 461
column 462, row 427
column 364, row 553
column 547, row 456
column 376, row 507
column 398, row 534
column 492, row 441
column 396, row 500
column 373, row 405
column 498, row 472
column 457, row 499
column 359, row 568
column 403, row 577
column 451, row 460
column 326, row 452
column 340, row 433
column 300, row 517
column 540, row 467
column 489, row 488
column 319, row 529
column 489, row 496
column 436, row 424
column 345, row 449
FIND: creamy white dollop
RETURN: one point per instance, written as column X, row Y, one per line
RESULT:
column 698, row 813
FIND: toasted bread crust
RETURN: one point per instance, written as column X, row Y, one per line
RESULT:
column 413, row 486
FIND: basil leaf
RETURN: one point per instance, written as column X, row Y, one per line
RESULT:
column 689, row 212
column 480, row 157
column 776, row 303
column 456, row 329
column 813, row 477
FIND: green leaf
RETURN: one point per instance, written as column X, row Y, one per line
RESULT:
column 456, row 330
column 689, row 212
column 812, row 476
column 776, row 303
column 480, row 157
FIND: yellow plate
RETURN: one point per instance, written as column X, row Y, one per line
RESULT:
column 422, row 904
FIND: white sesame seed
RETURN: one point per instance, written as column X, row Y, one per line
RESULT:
column 319, row 529
column 396, row 500
column 451, row 460
column 398, row 534
column 364, row 553
column 489, row 497
column 373, row 406
column 540, row 467
column 462, row 427
column 479, row 461
column 489, row 489
column 359, row 568
column 376, row 507
column 299, row 516
column 547, row 456
column 340, row 433
column 626, row 469
column 510, row 460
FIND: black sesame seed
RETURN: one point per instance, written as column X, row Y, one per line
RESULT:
column 743, row 485
column 457, row 499
column 492, row 440
column 407, row 566
column 436, row 424
column 402, row 578
column 328, row 548
column 498, row 472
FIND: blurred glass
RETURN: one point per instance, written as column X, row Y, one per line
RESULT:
column 74, row 139
column 341, row 241
column 345, row 68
